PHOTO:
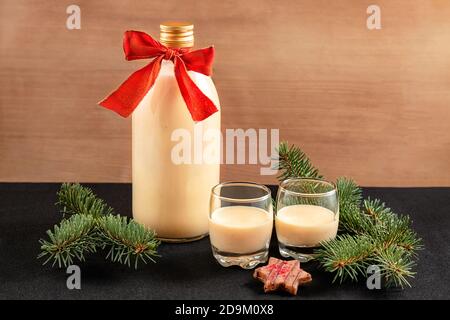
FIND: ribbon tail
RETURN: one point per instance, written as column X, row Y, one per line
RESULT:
column 130, row 93
column 199, row 105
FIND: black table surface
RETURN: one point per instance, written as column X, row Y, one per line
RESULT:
column 189, row 271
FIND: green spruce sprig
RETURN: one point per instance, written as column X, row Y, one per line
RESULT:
column 346, row 255
column 90, row 224
column 72, row 239
column 294, row 163
column 127, row 240
column 76, row 199
column 370, row 232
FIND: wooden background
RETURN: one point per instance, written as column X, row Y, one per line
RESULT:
column 374, row 105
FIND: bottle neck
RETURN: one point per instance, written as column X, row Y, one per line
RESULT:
column 177, row 35
column 175, row 45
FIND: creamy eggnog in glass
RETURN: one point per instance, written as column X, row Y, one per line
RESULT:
column 168, row 196
column 307, row 214
column 240, row 223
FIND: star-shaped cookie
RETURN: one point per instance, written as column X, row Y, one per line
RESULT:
column 282, row 275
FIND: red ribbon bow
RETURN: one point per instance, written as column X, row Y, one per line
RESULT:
column 139, row 45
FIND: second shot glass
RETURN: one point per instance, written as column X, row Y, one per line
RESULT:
column 307, row 214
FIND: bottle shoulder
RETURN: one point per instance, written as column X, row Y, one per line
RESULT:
column 167, row 70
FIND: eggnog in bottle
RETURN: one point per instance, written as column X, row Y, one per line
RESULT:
column 169, row 197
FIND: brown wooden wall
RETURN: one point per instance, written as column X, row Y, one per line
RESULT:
column 374, row 105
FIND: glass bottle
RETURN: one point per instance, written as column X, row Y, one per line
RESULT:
column 171, row 196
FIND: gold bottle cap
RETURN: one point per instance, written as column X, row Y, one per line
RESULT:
column 176, row 34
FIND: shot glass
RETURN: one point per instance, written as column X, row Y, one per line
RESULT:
column 240, row 223
column 307, row 214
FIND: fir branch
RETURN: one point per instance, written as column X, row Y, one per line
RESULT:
column 377, row 210
column 76, row 199
column 93, row 225
column 294, row 163
column 371, row 233
column 395, row 231
column 72, row 239
column 350, row 218
column 410, row 242
column 349, row 192
column 393, row 244
column 396, row 268
column 127, row 240
column 346, row 256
